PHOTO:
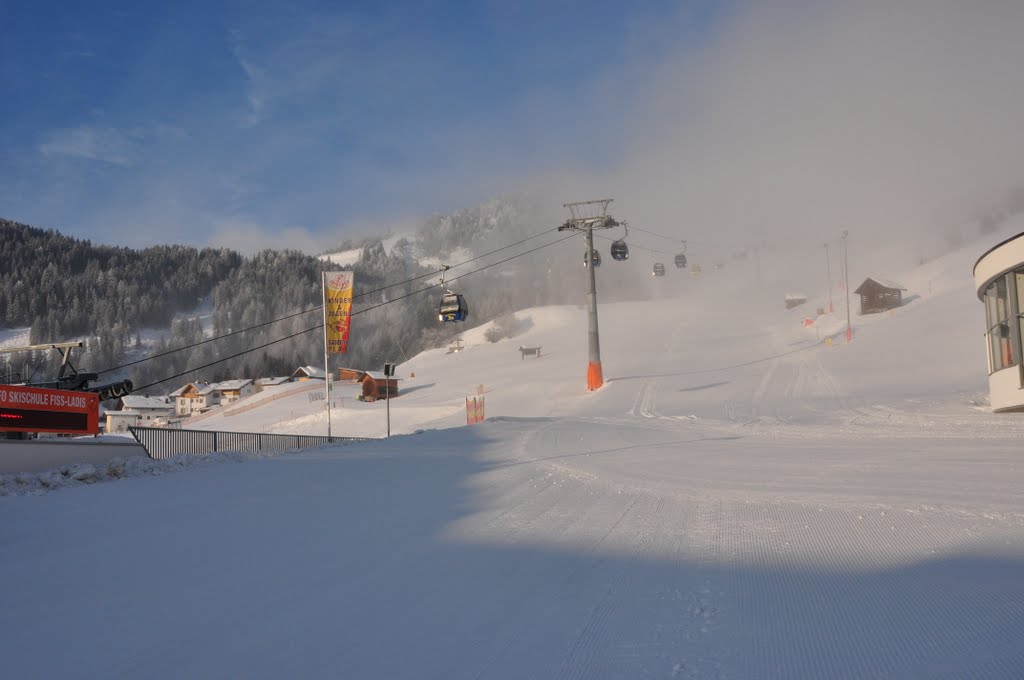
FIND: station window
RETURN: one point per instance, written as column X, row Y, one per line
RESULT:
column 997, row 312
column 1018, row 280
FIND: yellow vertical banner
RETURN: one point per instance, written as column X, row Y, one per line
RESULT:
column 338, row 288
column 474, row 410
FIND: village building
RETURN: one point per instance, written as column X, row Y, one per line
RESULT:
column 878, row 295
column 308, row 373
column 264, row 383
column 351, row 375
column 139, row 411
column 193, row 398
column 376, row 386
column 999, row 280
column 795, row 300
column 230, row 391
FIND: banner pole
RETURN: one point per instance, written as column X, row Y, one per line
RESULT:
column 327, row 372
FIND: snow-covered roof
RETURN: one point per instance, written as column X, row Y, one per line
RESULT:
column 232, row 385
column 200, row 387
column 279, row 380
column 378, row 375
column 887, row 283
column 134, row 402
column 311, row 371
column 344, row 258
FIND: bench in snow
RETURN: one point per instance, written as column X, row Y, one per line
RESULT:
column 530, row 351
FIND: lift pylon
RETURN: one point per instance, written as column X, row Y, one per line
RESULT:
column 586, row 216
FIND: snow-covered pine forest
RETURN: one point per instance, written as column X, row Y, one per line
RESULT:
column 127, row 304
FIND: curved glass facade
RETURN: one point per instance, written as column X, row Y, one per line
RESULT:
column 999, row 281
column 1004, row 302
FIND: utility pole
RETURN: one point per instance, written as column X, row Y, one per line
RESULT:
column 327, row 366
column 389, row 372
column 828, row 273
column 846, row 278
column 585, row 217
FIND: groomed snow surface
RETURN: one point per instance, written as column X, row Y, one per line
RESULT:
column 741, row 500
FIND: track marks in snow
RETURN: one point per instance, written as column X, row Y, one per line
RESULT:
column 643, row 406
column 763, row 385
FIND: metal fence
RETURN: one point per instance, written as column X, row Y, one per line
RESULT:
column 161, row 443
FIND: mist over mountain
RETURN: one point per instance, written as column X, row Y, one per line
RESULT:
column 504, row 255
column 176, row 296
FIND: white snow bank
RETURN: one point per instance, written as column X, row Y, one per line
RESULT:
column 81, row 474
column 13, row 337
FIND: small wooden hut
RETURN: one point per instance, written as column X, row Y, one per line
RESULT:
column 795, row 300
column 376, row 386
column 351, row 375
column 307, row 373
column 879, row 295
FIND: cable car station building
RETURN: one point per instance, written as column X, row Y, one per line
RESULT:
column 999, row 279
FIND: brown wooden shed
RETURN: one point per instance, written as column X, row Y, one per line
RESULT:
column 878, row 295
column 795, row 300
column 376, row 386
column 351, row 375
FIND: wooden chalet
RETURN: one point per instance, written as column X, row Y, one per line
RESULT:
column 308, row 373
column 795, row 300
column 137, row 409
column 879, row 295
column 232, row 390
column 376, row 386
column 351, row 375
column 193, row 398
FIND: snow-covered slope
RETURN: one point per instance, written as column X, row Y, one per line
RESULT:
column 741, row 499
column 12, row 337
column 733, row 354
column 347, row 258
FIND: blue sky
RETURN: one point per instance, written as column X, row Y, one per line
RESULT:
column 201, row 122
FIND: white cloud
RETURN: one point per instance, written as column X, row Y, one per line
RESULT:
column 795, row 120
column 257, row 84
column 93, row 143
column 248, row 237
column 257, row 91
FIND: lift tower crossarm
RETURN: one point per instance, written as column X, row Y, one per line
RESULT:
column 70, row 378
column 586, row 216
column 32, row 348
column 63, row 347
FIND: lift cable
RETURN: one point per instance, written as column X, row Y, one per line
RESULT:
column 634, row 245
column 222, row 359
column 210, row 339
column 366, row 309
column 456, row 278
column 459, row 264
column 669, row 238
column 317, row 308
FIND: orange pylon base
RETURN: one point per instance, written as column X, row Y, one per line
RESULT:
column 595, row 378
